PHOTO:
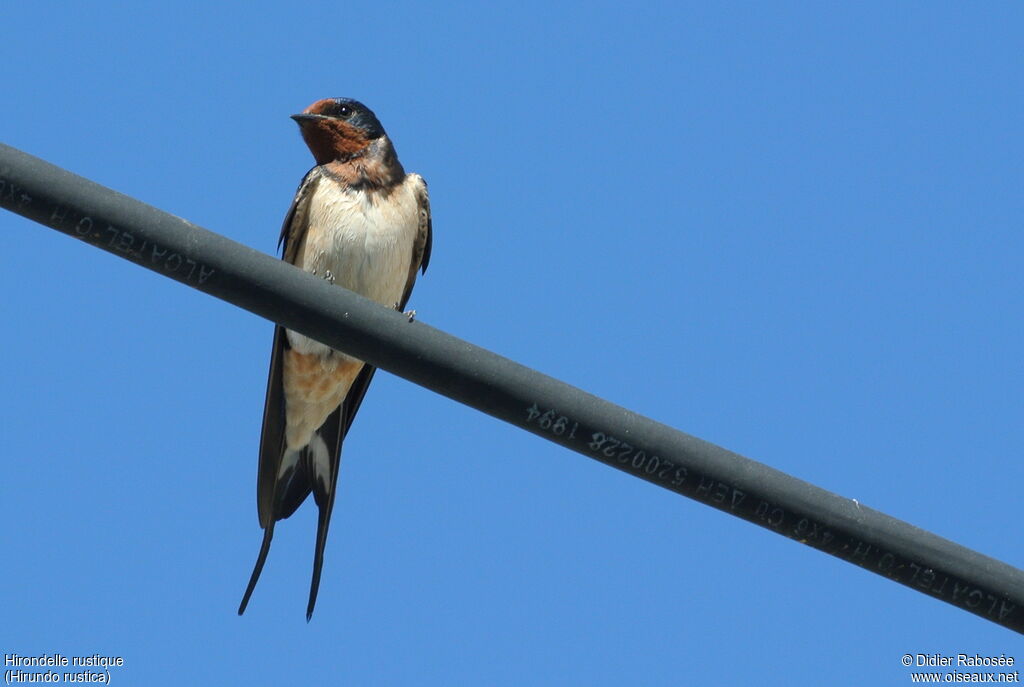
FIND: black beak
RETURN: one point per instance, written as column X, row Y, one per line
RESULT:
column 302, row 118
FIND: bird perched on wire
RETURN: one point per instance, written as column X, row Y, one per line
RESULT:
column 359, row 221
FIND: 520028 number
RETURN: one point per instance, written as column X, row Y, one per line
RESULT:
column 639, row 460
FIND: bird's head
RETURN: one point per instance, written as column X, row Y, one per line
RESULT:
column 338, row 129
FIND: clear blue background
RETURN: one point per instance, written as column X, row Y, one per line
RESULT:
column 793, row 229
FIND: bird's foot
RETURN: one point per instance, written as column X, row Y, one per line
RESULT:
column 411, row 314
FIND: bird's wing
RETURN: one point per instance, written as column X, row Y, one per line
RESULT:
column 424, row 236
column 293, row 231
column 272, row 502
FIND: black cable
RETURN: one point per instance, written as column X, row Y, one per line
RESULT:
column 507, row 390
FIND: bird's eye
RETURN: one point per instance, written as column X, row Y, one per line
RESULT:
column 344, row 111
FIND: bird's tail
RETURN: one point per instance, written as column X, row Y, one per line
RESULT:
column 284, row 484
column 324, row 463
column 268, row 534
column 293, row 485
column 314, row 468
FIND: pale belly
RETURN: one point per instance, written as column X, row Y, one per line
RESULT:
column 363, row 246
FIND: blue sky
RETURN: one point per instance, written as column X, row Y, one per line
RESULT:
column 793, row 229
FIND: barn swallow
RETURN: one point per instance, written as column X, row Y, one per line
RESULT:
column 359, row 221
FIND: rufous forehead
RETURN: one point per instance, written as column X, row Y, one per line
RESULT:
column 319, row 107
